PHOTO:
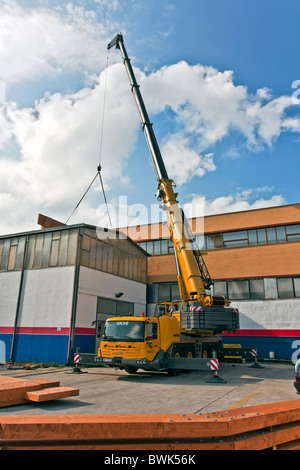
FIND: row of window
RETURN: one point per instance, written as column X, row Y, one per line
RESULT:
column 50, row 249
column 59, row 248
column 260, row 236
column 287, row 287
column 245, row 289
column 113, row 255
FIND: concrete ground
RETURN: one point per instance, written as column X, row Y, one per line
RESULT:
column 106, row 391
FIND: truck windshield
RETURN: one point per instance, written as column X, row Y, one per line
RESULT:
column 124, row 331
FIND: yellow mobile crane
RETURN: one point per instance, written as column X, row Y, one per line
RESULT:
column 181, row 334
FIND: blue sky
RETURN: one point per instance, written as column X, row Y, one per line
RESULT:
column 217, row 78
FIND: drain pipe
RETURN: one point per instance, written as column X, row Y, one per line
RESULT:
column 74, row 300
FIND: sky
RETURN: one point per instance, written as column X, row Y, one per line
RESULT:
column 221, row 83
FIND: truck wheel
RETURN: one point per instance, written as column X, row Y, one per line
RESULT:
column 190, row 354
column 131, row 370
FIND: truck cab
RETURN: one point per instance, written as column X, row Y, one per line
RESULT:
column 138, row 342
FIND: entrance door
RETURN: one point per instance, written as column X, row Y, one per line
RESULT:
column 107, row 308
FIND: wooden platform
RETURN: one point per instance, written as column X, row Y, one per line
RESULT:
column 15, row 391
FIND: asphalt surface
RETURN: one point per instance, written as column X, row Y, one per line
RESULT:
column 106, row 391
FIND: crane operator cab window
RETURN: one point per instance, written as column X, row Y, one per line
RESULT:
column 160, row 310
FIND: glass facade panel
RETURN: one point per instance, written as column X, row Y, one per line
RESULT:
column 156, row 247
column 261, row 236
column 54, row 252
column 20, row 253
column 252, row 237
column 238, row 290
column 297, row 286
column 164, row 292
column 285, row 288
column 63, row 249
column 271, row 234
column 164, row 247
column 257, row 289
column 220, row 289
column 293, row 229
column 175, row 292
column 46, row 250
column 72, row 247
column 12, row 257
column 280, row 233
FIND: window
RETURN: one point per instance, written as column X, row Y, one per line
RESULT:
column 271, row 234
column 220, row 289
column 285, row 288
column 238, row 290
column 156, row 247
column 214, row 241
column 288, row 287
column 164, row 292
column 293, row 233
column 297, row 286
column 232, row 239
column 257, row 290
column 252, row 236
column 12, row 257
column 124, row 331
column 280, row 234
column 261, row 236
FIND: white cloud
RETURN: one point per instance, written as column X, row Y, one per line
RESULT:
column 49, row 151
column 59, row 144
column 208, row 105
column 42, row 41
column 183, row 162
column 243, row 201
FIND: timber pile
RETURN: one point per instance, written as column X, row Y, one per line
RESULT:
column 15, row 391
column 275, row 426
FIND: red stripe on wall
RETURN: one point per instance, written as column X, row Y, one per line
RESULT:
column 262, row 332
column 28, row 330
column 85, row 331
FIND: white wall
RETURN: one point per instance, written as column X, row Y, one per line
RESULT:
column 93, row 284
column 276, row 314
column 47, row 299
column 9, row 290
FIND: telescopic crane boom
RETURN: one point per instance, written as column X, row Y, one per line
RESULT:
column 193, row 275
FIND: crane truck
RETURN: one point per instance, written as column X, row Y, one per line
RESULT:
column 182, row 334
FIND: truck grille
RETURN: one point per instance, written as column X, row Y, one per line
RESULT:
column 126, row 352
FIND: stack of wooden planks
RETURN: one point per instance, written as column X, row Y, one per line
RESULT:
column 273, row 426
column 17, row 391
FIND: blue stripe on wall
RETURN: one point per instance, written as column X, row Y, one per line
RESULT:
column 86, row 343
column 41, row 348
column 284, row 347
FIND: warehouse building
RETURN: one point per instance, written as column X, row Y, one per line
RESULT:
column 58, row 285
column 254, row 259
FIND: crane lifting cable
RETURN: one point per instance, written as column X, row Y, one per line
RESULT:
column 100, row 154
column 87, row 190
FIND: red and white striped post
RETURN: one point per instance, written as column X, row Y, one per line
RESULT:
column 76, row 359
column 214, row 367
column 254, row 354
